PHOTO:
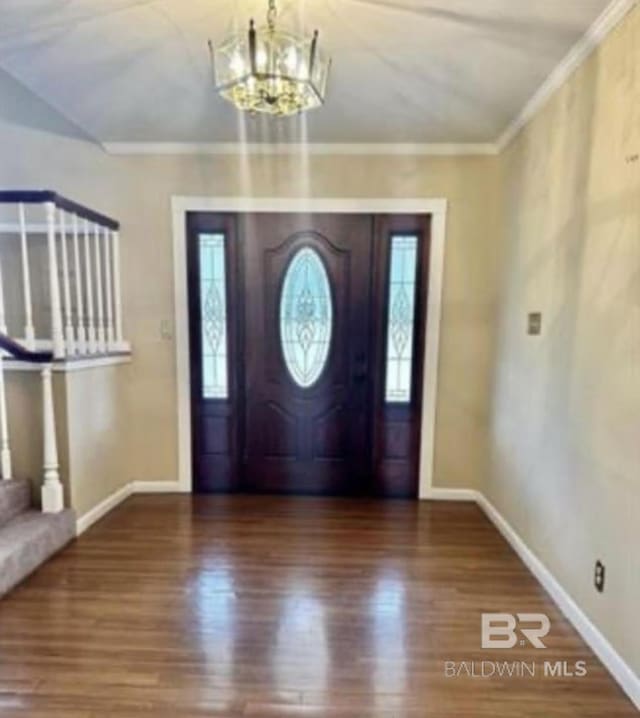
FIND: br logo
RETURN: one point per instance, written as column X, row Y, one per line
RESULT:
column 502, row 630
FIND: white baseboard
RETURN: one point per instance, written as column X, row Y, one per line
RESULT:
column 611, row 659
column 102, row 509
column 158, row 487
column 436, row 494
column 117, row 497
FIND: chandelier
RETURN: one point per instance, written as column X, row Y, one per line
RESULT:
column 271, row 71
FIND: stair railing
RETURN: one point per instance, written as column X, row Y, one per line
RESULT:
column 51, row 491
column 83, row 283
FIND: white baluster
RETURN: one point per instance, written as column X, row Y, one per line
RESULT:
column 108, row 287
column 5, row 448
column 66, row 285
column 3, row 319
column 54, row 287
column 52, row 494
column 92, row 345
column 80, row 328
column 100, row 298
column 29, row 330
column 119, row 339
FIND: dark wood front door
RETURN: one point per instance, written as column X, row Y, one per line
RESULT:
column 307, row 321
column 307, row 337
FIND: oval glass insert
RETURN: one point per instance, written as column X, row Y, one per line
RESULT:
column 306, row 317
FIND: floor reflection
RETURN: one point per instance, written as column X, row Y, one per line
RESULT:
column 388, row 632
column 301, row 655
column 216, row 615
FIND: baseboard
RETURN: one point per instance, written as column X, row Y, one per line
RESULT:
column 436, row 494
column 610, row 658
column 158, row 487
column 117, row 497
column 102, row 509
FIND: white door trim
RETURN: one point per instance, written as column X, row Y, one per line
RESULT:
column 437, row 208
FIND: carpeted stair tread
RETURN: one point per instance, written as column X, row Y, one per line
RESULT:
column 29, row 539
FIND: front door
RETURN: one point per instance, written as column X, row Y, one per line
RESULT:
column 307, row 337
column 307, row 323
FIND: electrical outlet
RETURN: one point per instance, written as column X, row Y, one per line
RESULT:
column 534, row 323
column 598, row 577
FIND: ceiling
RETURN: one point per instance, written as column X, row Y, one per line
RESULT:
column 404, row 71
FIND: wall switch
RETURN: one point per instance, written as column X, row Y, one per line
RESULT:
column 166, row 331
column 534, row 323
column 598, row 577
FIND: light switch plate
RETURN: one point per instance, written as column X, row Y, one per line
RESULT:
column 166, row 330
column 534, row 323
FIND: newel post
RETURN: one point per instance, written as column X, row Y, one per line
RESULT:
column 52, row 494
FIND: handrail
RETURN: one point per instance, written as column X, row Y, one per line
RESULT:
column 41, row 196
column 20, row 353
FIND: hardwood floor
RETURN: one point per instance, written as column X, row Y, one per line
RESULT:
column 262, row 606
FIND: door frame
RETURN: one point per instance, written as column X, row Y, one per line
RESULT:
column 436, row 207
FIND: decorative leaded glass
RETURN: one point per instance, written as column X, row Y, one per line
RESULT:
column 401, row 316
column 306, row 317
column 213, row 306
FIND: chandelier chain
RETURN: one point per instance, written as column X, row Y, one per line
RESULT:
column 271, row 15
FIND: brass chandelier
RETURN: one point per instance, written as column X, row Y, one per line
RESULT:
column 271, row 71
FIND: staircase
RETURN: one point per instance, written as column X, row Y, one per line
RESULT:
column 28, row 537
column 79, row 265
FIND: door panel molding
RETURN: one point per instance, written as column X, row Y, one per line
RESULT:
column 435, row 207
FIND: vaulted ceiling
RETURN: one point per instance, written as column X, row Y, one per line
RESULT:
column 410, row 71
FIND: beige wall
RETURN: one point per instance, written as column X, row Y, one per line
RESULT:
column 565, row 430
column 97, row 425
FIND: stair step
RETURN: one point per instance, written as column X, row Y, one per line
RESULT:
column 15, row 497
column 28, row 540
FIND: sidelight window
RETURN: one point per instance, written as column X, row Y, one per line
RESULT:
column 401, row 309
column 306, row 317
column 213, row 308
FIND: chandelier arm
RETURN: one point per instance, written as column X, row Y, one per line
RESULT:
column 312, row 53
column 252, row 48
column 212, row 62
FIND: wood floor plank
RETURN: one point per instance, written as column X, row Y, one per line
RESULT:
column 273, row 606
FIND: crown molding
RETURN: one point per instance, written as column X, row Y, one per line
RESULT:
column 603, row 25
column 337, row 148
